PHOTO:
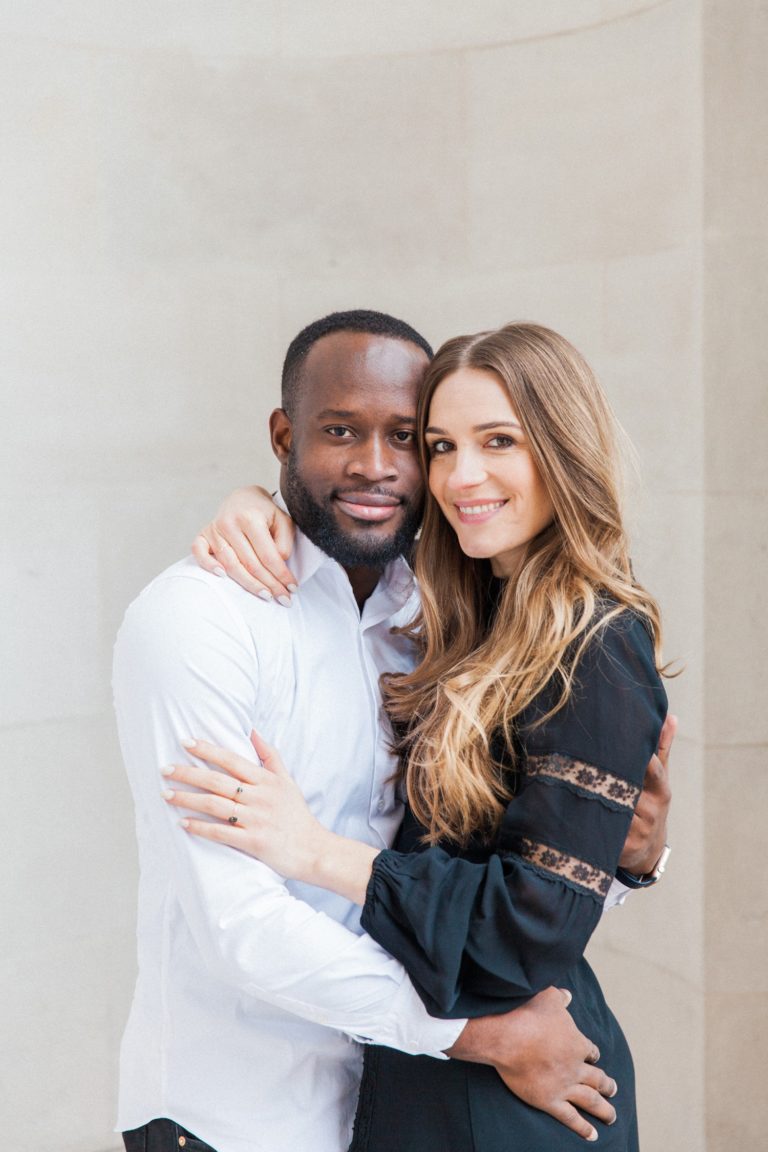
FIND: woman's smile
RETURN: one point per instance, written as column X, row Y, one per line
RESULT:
column 477, row 513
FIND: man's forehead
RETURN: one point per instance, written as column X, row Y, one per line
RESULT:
column 356, row 365
column 352, row 352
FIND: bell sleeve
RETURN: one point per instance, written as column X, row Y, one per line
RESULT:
column 481, row 937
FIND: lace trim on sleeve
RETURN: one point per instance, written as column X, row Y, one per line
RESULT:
column 565, row 867
column 585, row 778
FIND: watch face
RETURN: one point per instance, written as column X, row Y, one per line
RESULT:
column 661, row 867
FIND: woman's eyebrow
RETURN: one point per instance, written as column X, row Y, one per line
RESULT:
column 496, row 424
column 478, row 427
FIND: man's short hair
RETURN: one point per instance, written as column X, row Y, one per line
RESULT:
column 357, row 320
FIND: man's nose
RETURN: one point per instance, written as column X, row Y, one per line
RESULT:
column 375, row 459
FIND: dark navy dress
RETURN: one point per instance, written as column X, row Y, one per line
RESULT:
column 482, row 930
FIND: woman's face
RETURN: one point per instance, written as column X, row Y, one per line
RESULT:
column 481, row 471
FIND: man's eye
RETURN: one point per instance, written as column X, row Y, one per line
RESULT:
column 339, row 431
column 404, row 436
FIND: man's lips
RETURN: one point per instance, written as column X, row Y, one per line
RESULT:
column 372, row 507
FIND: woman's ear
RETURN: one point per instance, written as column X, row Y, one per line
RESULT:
column 281, row 434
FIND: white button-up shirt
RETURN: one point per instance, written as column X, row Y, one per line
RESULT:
column 250, row 987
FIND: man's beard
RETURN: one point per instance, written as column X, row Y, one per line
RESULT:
column 350, row 549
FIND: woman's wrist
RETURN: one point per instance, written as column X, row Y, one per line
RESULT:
column 342, row 865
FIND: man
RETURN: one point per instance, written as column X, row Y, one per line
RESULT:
column 250, row 987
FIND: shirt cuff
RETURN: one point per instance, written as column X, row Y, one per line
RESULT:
column 617, row 894
column 411, row 1029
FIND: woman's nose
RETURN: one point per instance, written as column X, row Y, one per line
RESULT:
column 467, row 471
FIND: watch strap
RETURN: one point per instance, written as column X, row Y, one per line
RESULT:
column 631, row 880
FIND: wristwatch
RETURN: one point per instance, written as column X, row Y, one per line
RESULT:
column 649, row 878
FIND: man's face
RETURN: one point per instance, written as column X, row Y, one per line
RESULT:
column 351, row 475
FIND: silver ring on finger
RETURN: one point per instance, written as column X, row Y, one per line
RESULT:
column 239, row 790
column 233, row 818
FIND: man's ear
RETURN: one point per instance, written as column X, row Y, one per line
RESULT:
column 281, row 434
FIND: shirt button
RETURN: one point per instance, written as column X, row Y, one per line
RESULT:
column 182, row 1141
column 381, row 805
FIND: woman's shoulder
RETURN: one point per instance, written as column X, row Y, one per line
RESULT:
column 619, row 638
column 616, row 697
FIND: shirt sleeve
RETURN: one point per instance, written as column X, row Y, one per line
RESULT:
column 480, row 937
column 186, row 666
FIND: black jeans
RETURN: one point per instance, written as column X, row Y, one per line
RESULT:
column 163, row 1136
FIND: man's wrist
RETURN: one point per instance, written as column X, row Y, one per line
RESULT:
column 465, row 1046
column 480, row 1037
column 645, row 879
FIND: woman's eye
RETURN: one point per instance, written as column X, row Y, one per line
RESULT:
column 439, row 447
column 502, row 442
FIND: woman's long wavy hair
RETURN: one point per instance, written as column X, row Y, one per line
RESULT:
column 479, row 670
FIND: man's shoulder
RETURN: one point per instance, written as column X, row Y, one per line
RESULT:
column 184, row 602
column 186, row 585
column 185, row 639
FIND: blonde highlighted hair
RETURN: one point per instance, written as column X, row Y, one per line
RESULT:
column 477, row 673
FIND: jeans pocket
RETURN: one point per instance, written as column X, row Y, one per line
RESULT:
column 191, row 1143
column 163, row 1135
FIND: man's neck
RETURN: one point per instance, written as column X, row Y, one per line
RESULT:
column 363, row 581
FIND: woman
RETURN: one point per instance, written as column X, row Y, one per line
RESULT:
column 523, row 735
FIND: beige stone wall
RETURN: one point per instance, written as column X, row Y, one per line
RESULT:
column 184, row 186
column 735, row 390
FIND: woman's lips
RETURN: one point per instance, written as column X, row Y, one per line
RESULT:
column 479, row 512
column 372, row 508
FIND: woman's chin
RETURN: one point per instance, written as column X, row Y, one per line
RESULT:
column 476, row 551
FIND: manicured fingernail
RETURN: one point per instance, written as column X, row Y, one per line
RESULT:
column 188, row 743
column 167, row 794
column 184, row 823
column 265, row 594
column 168, row 770
column 292, row 588
column 615, row 1090
column 219, row 571
column 285, row 601
column 592, row 1136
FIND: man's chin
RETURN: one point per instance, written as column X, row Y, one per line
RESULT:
column 365, row 549
column 362, row 544
column 375, row 531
